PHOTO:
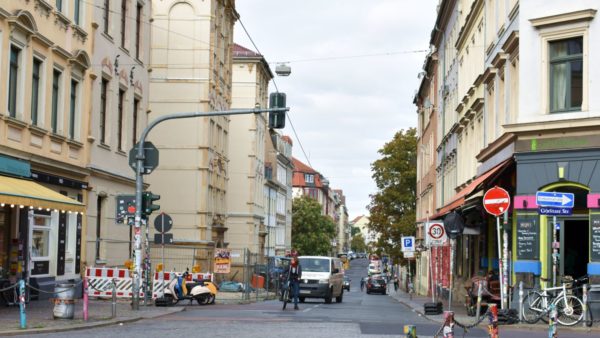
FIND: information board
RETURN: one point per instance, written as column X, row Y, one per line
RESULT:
column 528, row 238
column 595, row 237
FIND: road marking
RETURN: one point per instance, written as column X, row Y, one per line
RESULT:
column 310, row 308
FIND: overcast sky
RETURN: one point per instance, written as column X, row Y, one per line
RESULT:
column 354, row 74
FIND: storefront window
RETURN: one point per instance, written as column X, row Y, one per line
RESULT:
column 40, row 241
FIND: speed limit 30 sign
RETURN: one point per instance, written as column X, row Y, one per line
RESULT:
column 435, row 235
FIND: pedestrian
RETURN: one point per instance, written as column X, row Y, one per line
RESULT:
column 396, row 283
column 362, row 283
column 295, row 273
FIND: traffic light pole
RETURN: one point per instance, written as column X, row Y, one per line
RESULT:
column 139, row 183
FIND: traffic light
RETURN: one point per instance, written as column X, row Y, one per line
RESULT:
column 277, row 119
column 148, row 205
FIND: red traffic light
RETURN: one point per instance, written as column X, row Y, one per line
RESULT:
column 131, row 209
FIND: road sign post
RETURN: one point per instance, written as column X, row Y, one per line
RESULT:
column 555, row 204
column 496, row 201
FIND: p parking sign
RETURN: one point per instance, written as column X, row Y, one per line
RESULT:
column 408, row 243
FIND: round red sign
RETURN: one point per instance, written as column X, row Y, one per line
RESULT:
column 436, row 231
column 496, row 201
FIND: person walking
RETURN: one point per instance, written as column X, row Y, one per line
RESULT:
column 396, row 283
column 295, row 273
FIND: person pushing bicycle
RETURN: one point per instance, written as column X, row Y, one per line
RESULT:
column 294, row 275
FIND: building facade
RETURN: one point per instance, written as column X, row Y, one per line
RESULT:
column 44, row 89
column 246, row 212
column 119, row 105
column 191, row 60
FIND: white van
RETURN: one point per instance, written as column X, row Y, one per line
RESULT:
column 322, row 277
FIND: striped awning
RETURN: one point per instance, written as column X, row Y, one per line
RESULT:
column 26, row 193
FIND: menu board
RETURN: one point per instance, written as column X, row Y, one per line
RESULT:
column 528, row 238
column 595, row 237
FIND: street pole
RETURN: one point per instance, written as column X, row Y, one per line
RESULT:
column 452, row 248
column 139, row 182
column 500, row 267
column 505, row 262
column 554, row 252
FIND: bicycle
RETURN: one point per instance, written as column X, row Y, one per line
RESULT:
column 9, row 293
column 536, row 305
column 286, row 292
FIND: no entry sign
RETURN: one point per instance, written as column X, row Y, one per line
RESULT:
column 496, row 201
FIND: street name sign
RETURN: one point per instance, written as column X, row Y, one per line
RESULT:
column 408, row 243
column 435, row 234
column 554, row 211
column 555, row 199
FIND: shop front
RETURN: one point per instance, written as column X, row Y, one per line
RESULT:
column 40, row 229
column 575, row 236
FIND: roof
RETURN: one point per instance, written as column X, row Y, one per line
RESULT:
column 298, row 178
column 243, row 51
column 299, row 166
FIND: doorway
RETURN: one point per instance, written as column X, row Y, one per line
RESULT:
column 574, row 239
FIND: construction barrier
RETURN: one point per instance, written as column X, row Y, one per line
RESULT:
column 100, row 282
column 159, row 285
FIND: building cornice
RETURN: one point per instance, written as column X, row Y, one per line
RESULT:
column 563, row 18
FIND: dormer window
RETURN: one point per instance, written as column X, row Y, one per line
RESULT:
column 309, row 178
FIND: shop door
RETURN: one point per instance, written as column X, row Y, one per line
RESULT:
column 4, row 241
column 574, row 241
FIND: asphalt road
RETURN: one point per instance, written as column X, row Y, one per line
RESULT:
column 359, row 315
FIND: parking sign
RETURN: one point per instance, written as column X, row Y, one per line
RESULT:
column 408, row 243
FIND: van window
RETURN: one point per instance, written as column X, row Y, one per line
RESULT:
column 315, row 264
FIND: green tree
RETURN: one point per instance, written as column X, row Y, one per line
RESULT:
column 358, row 243
column 354, row 231
column 312, row 232
column 393, row 206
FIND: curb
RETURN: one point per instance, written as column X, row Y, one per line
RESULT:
column 84, row 326
column 520, row 326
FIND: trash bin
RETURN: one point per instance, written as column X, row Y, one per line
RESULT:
column 64, row 302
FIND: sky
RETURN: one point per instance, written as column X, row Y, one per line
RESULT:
column 354, row 75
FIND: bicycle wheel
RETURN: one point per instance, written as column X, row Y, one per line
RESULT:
column 9, row 297
column 570, row 310
column 532, row 307
column 286, row 294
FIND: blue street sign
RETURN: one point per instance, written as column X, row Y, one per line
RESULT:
column 555, row 199
column 554, row 211
column 408, row 243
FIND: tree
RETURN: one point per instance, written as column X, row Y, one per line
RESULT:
column 358, row 243
column 354, row 231
column 312, row 232
column 393, row 206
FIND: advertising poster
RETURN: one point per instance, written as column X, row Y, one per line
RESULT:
column 222, row 261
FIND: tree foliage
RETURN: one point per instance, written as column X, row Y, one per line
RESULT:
column 312, row 232
column 357, row 244
column 392, row 207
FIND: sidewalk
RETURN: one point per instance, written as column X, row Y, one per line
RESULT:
column 40, row 316
column 460, row 314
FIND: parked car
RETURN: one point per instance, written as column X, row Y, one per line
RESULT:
column 374, row 269
column 376, row 285
column 346, row 284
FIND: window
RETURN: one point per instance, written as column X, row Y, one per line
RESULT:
column 76, row 12
column 566, row 74
column 106, row 16
column 120, row 121
column 56, row 75
column 13, row 80
column 103, row 89
column 99, row 216
column 138, row 27
column 73, row 109
column 309, row 178
column 136, row 106
column 123, row 21
column 40, row 241
column 35, row 90
column 59, row 5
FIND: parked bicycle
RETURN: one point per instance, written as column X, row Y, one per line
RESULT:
column 536, row 305
column 8, row 294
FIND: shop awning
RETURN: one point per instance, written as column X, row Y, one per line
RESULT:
column 26, row 193
column 460, row 197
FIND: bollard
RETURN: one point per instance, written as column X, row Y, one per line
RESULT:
column 85, row 299
column 448, row 324
column 479, row 292
column 493, row 325
column 521, row 294
column 585, row 304
column 552, row 333
column 410, row 331
column 22, row 304
column 114, row 298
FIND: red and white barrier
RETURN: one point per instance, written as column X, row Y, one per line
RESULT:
column 159, row 285
column 100, row 282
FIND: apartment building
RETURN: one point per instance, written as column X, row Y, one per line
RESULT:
column 119, row 105
column 45, row 83
column 191, row 62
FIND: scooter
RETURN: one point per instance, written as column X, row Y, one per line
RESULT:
column 204, row 292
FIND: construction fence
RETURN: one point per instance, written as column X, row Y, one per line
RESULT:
column 251, row 275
